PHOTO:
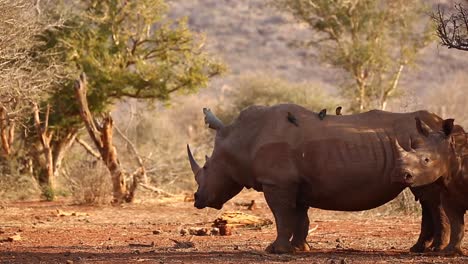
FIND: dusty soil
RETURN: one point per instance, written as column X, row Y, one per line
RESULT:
column 144, row 233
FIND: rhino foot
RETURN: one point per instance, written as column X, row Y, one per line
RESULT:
column 301, row 247
column 423, row 246
column 419, row 248
column 280, row 248
column 452, row 251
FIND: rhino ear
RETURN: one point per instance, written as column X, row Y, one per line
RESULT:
column 447, row 126
column 422, row 127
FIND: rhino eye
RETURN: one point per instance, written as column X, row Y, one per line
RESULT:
column 427, row 160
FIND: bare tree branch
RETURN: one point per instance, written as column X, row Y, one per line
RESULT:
column 453, row 31
column 156, row 190
column 88, row 148
column 141, row 171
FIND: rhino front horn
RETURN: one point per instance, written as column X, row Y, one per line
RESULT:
column 193, row 163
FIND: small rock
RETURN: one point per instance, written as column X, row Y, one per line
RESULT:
column 214, row 231
column 236, row 247
column 339, row 240
column 136, row 251
column 16, row 237
column 69, row 261
column 157, row 232
column 251, row 206
column 225, row 230
column 183, row 231
column 198, row 231
column 66, row 254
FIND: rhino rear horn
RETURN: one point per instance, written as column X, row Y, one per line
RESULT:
column 212, row 121
column 193, row 163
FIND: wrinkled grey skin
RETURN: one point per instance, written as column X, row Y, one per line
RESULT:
column 345, row 163
column 444, row 204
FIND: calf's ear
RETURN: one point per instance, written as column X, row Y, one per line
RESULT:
column 447, row 126
column 422, row 127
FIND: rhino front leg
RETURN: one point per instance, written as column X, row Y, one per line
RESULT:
column 302, row 229
column 435, row 228
column 427, row 230
column 441, row 228
column 282, row 202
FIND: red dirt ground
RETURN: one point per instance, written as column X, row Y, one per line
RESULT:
column 119, row 235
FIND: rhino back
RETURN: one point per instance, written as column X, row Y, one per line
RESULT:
column 351, row 153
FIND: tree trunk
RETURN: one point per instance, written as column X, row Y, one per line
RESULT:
column 60, row 148
column 46, row 175
column 7, row 131
column 109, row 156
column 386, row 93
column 102, row 138
column 362, row 93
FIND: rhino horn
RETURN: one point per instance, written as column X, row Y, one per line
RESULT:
column 212, row 121
column 410, row 145
column 399, row 148
column 422, row 127
column 193, row 162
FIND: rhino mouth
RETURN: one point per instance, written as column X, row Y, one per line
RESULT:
column 218, row 206
column 201, row 205
column 403, row 176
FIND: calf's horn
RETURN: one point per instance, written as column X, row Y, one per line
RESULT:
column 193, row 162
column 399, row 147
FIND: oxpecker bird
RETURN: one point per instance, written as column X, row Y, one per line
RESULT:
column 322, row 114
column 338, row 110
column 292, row 119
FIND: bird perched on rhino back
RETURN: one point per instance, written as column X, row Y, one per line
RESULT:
column 322, row 114
column 292, row 119
column 338, row 110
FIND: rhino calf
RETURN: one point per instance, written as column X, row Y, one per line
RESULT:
column 444, row 204
column 344, row 163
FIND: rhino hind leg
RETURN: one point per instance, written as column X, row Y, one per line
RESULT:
column 282, row 202
column 457, row 230
column 302, row 229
